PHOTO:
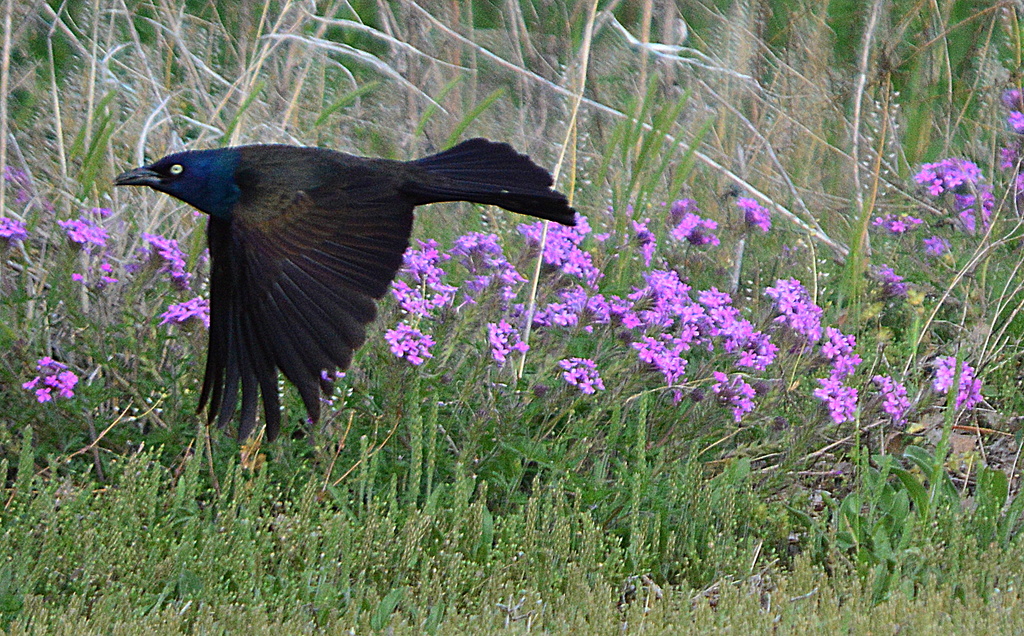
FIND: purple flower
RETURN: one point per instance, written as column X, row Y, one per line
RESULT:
column 735, row 393
column 504, row 339
column 16, row 176
column 582, row 373
column 1013, row 99
column 757, row 352
column 482, row 251
column 100, row 279
column 839, row 349
column 422, row 262
column 963, row 179
column 966, row 204
column 892, row 283
column 1009, row 155
column 181, row 313
column 328, row 379
column 581, row 265
column 896, row 223
column 969, row 393
column 936, row 246
column 12, row 230
column 564, row 314
column 409, row 343
column 666, row 354
column 722, row 320
column 895, row 402
column 171, row 259
column 46, row 363
column 755, row 214
column 483, row 257
column 428, row 291
column 714, row 299
column 696, row 230
column 598, row 309
column 665, row 305
column 1016, row 121
column 332, row 376
column 53, row 377
column 949, row 174
column 669, row 294
column 841, row 399
column 84, row 233
column 20, row 179
column 620, row 311
column 106, row 269
column 681, row 208
column 64, row 383
column 1014, row 102
column 645, row 238
column 562, row 251
column 794, row 304
column 42, row 394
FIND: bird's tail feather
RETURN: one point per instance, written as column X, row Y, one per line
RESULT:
column 482, row 171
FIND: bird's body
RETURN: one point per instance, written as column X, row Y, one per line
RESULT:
column 304, row 240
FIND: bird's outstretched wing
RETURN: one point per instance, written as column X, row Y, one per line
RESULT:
column 292, row 284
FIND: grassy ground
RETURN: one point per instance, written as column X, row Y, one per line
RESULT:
column 716, row 425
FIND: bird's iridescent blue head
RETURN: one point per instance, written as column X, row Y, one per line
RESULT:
column 205, row 179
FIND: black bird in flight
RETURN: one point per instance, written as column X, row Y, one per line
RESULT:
column 304, row 240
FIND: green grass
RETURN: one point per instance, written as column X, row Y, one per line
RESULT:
column 465, row 496
column 157, row 553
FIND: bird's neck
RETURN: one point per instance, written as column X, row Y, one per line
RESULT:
column 221, row 191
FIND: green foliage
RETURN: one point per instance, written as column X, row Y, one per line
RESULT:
column 149, row 546
column 641, row 155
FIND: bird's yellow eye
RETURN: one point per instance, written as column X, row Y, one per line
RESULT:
column 177, row 169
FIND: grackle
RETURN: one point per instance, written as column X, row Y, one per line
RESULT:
column 304, row 240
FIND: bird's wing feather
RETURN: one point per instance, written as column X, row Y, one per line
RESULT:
column 292, row 289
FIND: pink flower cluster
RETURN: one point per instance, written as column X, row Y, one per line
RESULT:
column 562, row 249
column 54, row 380
column 895, row 402
column 755, row 214
column 582, row 374
column 963, row 179
column 197, row 309
column 969, row 391
column 12, row 230
column 409, row 343
column 504, row 339
column 170, row 258
column 85, row 233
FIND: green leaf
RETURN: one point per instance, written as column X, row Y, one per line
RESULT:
column 434, row 106
column 382, row 616
column 1010, row 521
column 800, row 517
column 345, row 100
column 991, row 492
column 922, row 458
column 486, row 535
column 914, row 488
column 434, row 619
column 253, row 94
column 472, row 115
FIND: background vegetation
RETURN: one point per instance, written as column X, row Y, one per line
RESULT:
column 469, row 494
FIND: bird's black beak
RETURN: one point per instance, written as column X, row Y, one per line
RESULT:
column 138, row 177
